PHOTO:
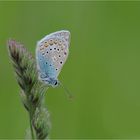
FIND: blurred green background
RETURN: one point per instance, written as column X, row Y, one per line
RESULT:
column 102, row 71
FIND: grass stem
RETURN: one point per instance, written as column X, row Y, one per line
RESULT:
column 31, row 127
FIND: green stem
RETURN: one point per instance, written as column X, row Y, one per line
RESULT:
column 30, row 117
column 31, row 127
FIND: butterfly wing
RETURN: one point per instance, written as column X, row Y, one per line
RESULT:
column 44, row 66
column 52, row 52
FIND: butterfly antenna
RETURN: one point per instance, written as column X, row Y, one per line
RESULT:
column 69, row 95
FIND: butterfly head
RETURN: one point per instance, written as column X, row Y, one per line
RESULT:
column 52, row 82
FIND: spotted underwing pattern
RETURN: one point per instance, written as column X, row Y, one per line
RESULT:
column 51, row 54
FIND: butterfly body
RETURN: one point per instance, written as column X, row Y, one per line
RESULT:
column 51, row 54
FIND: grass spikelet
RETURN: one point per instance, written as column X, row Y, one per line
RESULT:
column 32, row 90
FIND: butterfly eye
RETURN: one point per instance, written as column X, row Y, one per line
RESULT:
column 55, row 83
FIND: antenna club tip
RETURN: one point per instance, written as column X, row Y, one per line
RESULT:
column 71, row 97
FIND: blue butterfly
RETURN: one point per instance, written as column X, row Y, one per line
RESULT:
column 51, row 54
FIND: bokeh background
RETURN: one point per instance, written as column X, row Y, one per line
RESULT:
column 102, row 71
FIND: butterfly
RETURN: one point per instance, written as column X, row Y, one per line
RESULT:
column 51, row 54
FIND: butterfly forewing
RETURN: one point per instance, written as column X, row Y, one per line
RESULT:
column 52, row 52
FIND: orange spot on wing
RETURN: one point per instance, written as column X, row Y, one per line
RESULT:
column 51, row 42
column 46, row 44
